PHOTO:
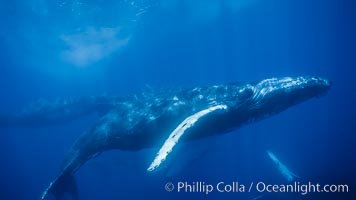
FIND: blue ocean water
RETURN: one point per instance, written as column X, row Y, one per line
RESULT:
column 59, row 48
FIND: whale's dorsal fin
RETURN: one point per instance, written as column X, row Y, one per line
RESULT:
column 174, row 137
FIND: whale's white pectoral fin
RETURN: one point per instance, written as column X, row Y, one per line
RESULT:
column 177, row 134
column 286, row 173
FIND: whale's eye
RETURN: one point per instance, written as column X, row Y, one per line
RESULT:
column 245, row 92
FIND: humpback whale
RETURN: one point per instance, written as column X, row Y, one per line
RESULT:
column 60, row 110
column 163, row 118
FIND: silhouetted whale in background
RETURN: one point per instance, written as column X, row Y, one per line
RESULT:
column 143, row 121
column 56, row 111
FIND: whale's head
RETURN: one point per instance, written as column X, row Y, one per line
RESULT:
column 277, row 94
column 237, row 104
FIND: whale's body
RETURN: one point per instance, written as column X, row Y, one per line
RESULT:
column 143, row 121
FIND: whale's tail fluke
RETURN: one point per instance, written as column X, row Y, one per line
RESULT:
column 64, row 184
column 60, row 186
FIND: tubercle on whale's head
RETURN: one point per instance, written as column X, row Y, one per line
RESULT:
column 281, row 93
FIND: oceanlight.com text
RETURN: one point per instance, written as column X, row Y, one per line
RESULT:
column 301, row 188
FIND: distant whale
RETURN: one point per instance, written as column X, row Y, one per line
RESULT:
column 164, row 118
column 60, row 110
